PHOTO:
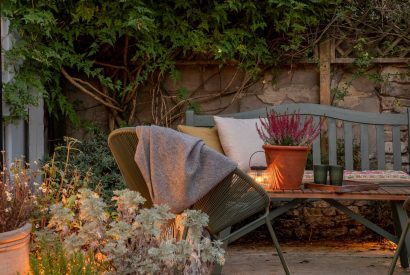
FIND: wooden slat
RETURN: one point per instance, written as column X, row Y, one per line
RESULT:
column 311, row 109
column 348, row 138
column 316, row 144
column 348, row 60
column 396, row 190
column 332, row 141
column 324, row 70
column 381, row 158
column 344, row 196
column 364, row 146
column 396, row 148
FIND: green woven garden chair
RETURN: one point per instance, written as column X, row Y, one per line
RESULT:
column 233, row 200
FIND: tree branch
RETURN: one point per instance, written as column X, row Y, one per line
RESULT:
column 84, row 90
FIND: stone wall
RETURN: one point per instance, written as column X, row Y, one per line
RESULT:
column 286, row 85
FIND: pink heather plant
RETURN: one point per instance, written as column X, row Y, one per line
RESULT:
column 287, row 130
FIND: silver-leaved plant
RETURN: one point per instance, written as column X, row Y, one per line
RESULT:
column 135, row 240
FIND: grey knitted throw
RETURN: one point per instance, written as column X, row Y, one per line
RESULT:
column 179, row 169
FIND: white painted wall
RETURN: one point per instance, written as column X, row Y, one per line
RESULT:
column 15, row 139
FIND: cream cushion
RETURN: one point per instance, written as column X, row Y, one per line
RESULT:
column 239, row 140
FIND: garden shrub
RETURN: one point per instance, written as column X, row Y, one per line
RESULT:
column 93, row 158
column 129, row 240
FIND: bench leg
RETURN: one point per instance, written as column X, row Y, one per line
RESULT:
column 400, row 220
column 277, row 246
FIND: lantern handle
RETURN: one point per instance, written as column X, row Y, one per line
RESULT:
column 250, row 158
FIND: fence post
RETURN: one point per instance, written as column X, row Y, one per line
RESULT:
column 324, row 59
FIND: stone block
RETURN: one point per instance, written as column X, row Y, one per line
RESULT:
column 396, row 90
column 354, row 208
column 361, row 203
column 363, row 84
column 256, row 88
column 294, row 212
column 388, row 135
column 289, row 94
column 217, row 80
column 347, row 202
column 329, row 211
column 335, row 232
column 388, row 102
column 298, row 75
column 251, row 102
column 365, row 104
column 191, row 79
column 312, row 212
column 290, row 223
column 308, row 77
column 397, row 74
column 403, row 102
column 340, row 216
column 357, row 231
column 301, row 232
column 388, row 147
column 319, row 222
column 320, row 204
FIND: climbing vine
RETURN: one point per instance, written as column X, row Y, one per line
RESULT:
column 110, row 50
column 114, row 51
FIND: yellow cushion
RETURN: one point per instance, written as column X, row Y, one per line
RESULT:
column 208, row 135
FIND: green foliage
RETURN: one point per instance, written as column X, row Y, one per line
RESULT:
column 50, row 257
column 144, row 39
column 93, row 158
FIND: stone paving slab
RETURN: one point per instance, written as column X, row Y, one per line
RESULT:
column 340, row 258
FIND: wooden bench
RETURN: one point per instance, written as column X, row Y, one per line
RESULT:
column 333, row 114
column 331, row 117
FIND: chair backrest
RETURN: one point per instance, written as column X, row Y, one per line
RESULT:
column 123, row 143
column 334, row 118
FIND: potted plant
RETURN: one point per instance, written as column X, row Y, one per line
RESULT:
column 287, row 144
column 16, row 204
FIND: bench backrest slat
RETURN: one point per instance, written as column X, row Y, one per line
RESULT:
column 364, row 146
column 380, row 147
column 333, row 115
column 331, row 122
column 348, row 142
column 316, row 145
column 396, row 148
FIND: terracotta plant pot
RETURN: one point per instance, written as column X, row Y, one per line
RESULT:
column 286, row 164
column 14, row 251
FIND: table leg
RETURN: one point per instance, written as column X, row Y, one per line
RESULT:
column 400, row 221
column 284, row 208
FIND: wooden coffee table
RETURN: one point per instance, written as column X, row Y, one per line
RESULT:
column 394, row 193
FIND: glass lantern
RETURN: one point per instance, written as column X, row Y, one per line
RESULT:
column 261, row 175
